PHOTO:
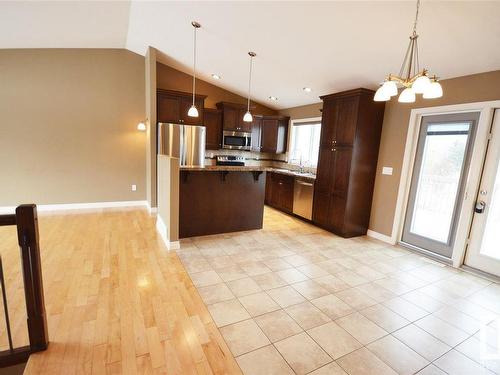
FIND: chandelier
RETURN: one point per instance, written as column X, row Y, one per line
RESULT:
column 410, row 77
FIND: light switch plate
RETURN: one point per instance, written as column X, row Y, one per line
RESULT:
column 387, row 171
column 134, row 187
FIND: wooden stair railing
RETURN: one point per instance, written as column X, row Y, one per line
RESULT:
column 26, row 221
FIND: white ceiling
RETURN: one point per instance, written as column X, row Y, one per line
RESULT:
column 329, row 46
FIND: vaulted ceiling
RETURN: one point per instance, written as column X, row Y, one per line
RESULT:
column 328, row 46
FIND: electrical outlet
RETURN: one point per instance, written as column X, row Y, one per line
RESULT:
column 134, row 187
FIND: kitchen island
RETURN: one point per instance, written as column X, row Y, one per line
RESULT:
column 220, row 199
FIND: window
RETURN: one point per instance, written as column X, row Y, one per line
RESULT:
column 304, row 148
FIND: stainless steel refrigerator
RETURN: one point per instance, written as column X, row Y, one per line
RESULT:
column 185, row 142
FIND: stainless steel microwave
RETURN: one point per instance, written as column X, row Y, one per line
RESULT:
column 236, row 140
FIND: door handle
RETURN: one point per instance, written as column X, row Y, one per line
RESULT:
column 479, row 208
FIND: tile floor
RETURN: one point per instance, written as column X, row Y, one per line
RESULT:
column 293, row 299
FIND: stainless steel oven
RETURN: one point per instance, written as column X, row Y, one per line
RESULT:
column 236, row 140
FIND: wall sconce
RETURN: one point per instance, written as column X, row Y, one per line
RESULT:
column 141, row 126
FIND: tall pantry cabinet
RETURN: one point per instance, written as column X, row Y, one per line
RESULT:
column 351, row 126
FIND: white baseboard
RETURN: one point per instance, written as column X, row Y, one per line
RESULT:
column 77, row 206
column 152, row 210
column 162, row 230
column 380, row 237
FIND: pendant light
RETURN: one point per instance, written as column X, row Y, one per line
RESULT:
column 414, row 80
column 248, row 116
column 193, row 111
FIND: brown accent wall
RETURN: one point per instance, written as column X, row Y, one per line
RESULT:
column 466, row 89
column 304, row 111
column 172, row 79
column 68, row 122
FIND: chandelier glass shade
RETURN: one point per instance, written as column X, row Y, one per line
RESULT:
column 410, row 77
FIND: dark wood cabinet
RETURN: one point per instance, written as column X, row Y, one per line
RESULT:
column 274, row 134
column 232, row 117
column 173, row 106
column 213, row 124
column 279, row 191
column 256, row 132
column 351, row 126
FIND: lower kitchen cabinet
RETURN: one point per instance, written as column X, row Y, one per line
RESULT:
column 279, row 191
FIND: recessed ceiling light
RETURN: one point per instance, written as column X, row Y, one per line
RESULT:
column 216, row 76
column 273, row 98
column 307, row 89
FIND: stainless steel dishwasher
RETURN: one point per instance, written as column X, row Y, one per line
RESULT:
column 303, row 193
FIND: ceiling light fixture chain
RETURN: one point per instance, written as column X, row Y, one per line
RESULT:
column 193, row 111
column 411, row 78
column 248, row 116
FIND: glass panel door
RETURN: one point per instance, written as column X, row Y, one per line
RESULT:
column 436, row 190
column 483, row 252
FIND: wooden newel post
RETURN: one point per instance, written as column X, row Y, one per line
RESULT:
column 27, row 233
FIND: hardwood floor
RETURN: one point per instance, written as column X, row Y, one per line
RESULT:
column 117, row 301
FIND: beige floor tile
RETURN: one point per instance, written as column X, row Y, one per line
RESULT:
column 262, row 361
column 361, row 328
column 397, row 355
column 286, row 296
column 205, row 278
column 351, row 278
column 456, row 363
column 254, row 268
column 431, row 370
column 334, row 340
column 292, row 275
column 243, row 287
column 406, row 309
column 278, row 325
column 312, row 271
column 258, row 303
column 307, row 315
column 364, row 362
column 269, row 281
column 369, row 273
column 302, row 353
column 231, row 273
column 277, row 264
column 221, row 262
column 442, row 330
column 423, row 301
column 481, row 353
column 215, row 293
column 475, row 311
column 384, row 317
column 297, row 260
column 332, row 284
column 394, row 285
column 228, row 312
column 376, row 292
column 310, row 289
column 332, row 267
column 332, row 306
column 329, row 369
column 356, row 298
column 421, row 342
column 458, row 319
column 243, row 337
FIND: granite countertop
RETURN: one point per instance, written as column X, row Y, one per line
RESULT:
column 248, row 168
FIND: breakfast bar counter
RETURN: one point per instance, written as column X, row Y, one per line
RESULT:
column 220, row 199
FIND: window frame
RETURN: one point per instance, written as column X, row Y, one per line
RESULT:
column 291, row 140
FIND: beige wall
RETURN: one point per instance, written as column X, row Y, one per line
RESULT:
column 467, row 89
column 305, row 111
column 68, row 126
column 172, row 79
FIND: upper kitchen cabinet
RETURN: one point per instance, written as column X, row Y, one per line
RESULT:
column 173, row 106
column 232, row 117
column 213, row 123
column 274, row 134
column 351, row 126
column 256, row 132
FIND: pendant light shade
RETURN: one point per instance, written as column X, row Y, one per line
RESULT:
column 421, row 84
column 434, row 91
column 381, row 95
column 407, row 96
column 193, row 111
column 248, row 116
column 390, row 88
